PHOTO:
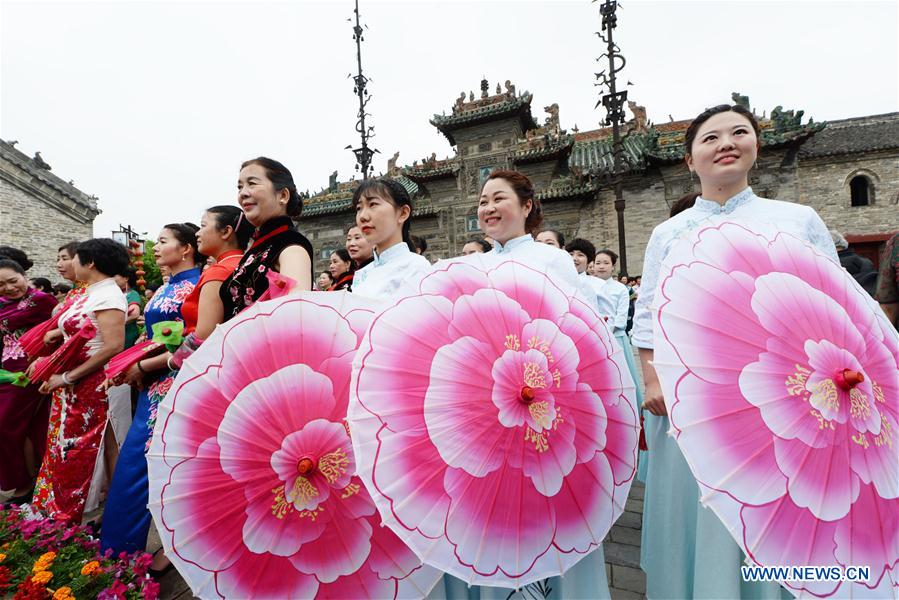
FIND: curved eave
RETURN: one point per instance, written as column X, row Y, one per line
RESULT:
column 558, row 153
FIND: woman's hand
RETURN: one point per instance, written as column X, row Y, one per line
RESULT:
column 52, row 336
column 134, row 377
column 54, row 383
column 652, row 397
column 653, row 400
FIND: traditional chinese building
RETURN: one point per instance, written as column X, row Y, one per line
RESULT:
column 39, row 212
column 847, row 170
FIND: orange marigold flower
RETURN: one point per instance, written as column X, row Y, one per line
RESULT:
column 42, row 577
column 91, row 568
column 64, row 593
column 44, row 562
column 2, row 557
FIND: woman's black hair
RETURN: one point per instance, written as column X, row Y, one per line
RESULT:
column 610, row 254
column 43, row 284
column 417, row 244
column 345, row 257
column 69, row 247
column 281, row 179
column 328, row 273
column 231, row 216
column 560, row 239
column 389, row 189
column 584, row 246
column 62, row 288
column 8, row 263
column 16, row 255
column 708, row 113
column 186, row 234
column 683, row 203
column 484, row 244
column 131, row 275
column 108, row 256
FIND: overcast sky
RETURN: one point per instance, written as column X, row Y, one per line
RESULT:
column 152, row 106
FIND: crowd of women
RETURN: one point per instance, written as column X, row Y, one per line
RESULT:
column 63, row 437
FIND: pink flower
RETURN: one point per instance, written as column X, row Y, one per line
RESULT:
column 786, row 397
column 505, row 430
column 271, row 471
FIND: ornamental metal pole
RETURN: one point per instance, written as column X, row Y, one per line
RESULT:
column 614, row 104
column 363, row 153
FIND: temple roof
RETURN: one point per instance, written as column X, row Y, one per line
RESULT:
column 548, row 146
column 332, row 202
column 86, row 203
column 863, row 134
column 484, row 110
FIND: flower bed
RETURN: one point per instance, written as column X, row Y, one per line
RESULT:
column 42, row 559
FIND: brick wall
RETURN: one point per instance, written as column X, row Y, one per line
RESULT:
column 29, row 223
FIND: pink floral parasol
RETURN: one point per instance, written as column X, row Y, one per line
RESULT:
column 252, row 473
column 781, row 378
column 493, row 422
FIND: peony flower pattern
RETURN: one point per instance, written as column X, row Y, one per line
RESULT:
column 782, row 384
column 494, row 424
column 252, row 467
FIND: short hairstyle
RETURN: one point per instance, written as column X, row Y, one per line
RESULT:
column 69, row 247
column 708, row 113
column 389, row 189
column 131, row 275
column 17, row 255
column 281, row 179
column 231, row 216
column 582, row 245
column 683, row 203
column 7, row 263
column 524, row 189
column 43, row 284
column 108, row 256
column 610, row 254
column 328, row 273
column 186, row 234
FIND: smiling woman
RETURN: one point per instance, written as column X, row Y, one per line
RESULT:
column 269, row 199
column 722, row 145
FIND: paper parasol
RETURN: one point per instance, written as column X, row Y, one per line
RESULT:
column 493, row 423
column 251, row 466
column 781, row 379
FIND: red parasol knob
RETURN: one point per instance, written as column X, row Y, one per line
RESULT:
column 848, row 379
column 166, row 331
column 305, row 466
column 528, row 394
column 281, row 283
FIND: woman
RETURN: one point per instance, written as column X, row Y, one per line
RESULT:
column 551, row 237
column 476, row 246
column 78, row 410
column 686, row 551
column 42, row 284
column 341, row 269
column 269, row 199
column 23, row 410
column 358, row 247
column 127, row 282
column 383, row 212
column 509, row 213
column 127, row 519
column 324, row 281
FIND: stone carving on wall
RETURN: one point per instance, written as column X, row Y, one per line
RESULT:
column 552, row 121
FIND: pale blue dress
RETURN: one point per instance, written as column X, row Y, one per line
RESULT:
column 686, row 551
column 389, row 272
column 587, row 579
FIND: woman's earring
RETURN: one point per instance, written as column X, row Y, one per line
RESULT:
column 691, row 176
column 755, row 165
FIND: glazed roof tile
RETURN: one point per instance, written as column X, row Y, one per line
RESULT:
column 848, row 136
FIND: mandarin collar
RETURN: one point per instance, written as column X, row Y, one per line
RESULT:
column 273, row 224
column 512, row 244
column 390, row 254
column 734, row 202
